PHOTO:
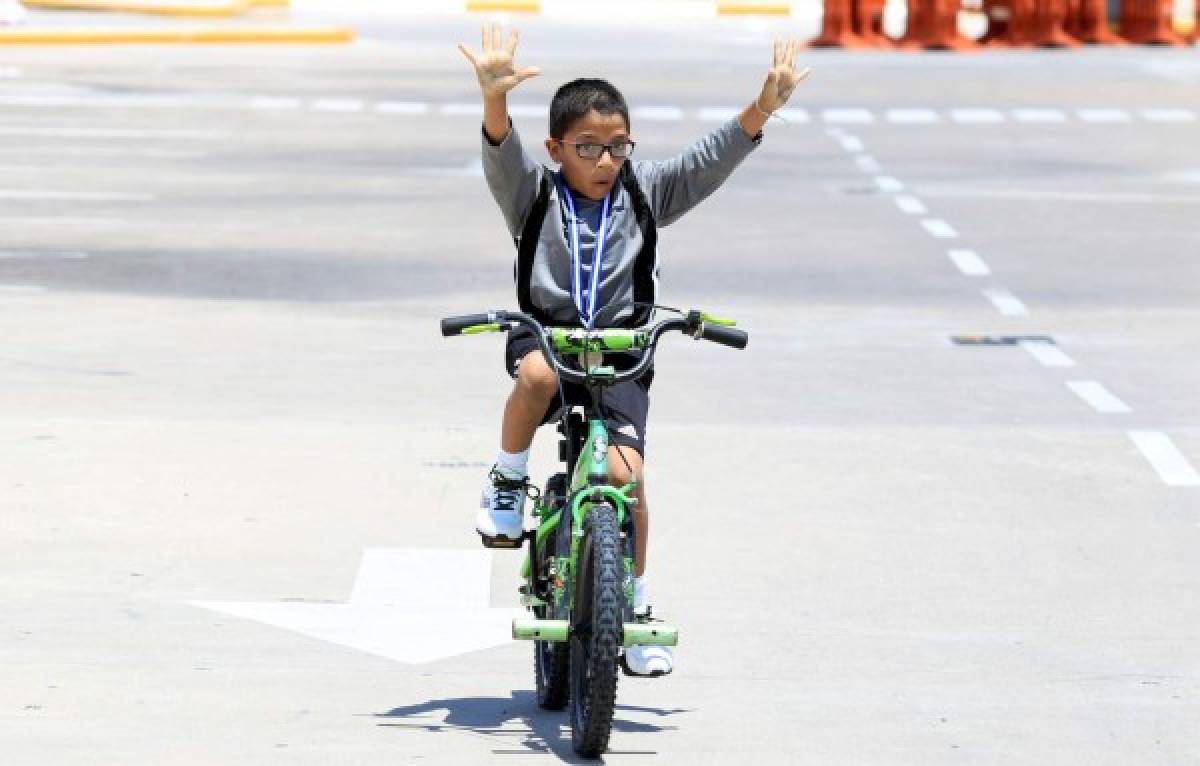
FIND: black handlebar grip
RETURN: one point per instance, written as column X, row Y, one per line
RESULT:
column 455, row 325
column 726, row 336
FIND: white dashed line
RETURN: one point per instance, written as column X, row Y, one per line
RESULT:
column 1040, row 115
column 48, row 132
column 1047, row 353
column 939, row 228
column 337, row 105
column 794, row 115
column 9, row 72
column 402, row 107
column 867, row 164
column 969, row 263
column 1100, row 398
column 1168, row 115
column 852, row 144
column 64, row 196
column 717, row 113
column 274, row 103
column 1172, row 467
column 1005, row 302
column 472, row 109
column 658, row 113
column 910, row 204
column 888, row 184
column 1104, row 115
column 529, row 110
column 22, row 289
column 58, row 220
column 848, row 116
column 977, row 116
column 912, row 116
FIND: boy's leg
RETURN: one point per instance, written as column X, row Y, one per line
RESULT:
column 620, row 475
column 535, row 388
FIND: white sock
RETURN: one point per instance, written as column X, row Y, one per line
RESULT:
column 641, row 592
column 514, row 465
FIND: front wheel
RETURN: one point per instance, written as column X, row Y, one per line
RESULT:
column 596, row 633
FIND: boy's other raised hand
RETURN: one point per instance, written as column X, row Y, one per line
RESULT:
column 783, row 78
column 494, row 65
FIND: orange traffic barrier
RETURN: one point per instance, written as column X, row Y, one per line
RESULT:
column 933, row 25
column 1000, row 28
column 1088, row 22
column 1149, row 22
column 868, row 23
column 837, row 27
column 1047, row 27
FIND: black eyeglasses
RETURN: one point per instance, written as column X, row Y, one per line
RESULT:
column 590, row 150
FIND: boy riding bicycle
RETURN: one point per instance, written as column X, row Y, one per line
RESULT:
column 586, row 237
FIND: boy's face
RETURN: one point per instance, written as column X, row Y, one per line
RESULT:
column 591, row 178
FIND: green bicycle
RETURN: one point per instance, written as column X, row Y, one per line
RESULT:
column 579, row 571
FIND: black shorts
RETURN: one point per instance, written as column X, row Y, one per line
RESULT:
column 625, row 405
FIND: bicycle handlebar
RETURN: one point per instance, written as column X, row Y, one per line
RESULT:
column 694, row 324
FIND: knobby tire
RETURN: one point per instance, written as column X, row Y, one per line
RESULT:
column 596, row 633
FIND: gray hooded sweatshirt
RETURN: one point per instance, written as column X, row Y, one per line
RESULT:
column 671, row 187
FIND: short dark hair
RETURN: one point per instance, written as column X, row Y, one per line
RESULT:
column 578, row 97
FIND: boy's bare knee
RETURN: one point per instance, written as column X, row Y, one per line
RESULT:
column 536, row 378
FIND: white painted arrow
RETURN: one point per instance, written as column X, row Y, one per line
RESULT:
column 409, row 605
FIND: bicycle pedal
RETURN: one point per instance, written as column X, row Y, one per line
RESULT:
column 501, row 542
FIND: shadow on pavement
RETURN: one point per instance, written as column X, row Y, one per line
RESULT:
column 516, row 721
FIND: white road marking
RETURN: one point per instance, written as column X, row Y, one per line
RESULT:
column 718, row 113
column 847, row 116
column 969, row 263
column 977, row 116
column 794, row 115
column 888, row 184
column 65, row 196
column 852, row 144
column 658, row 113
column 35, row 131
column 22, row 289
column 1004, row 301
column 395, row 611
column 402, row 107
column 1100, row 398
column 1047, row 353
column 1119, row 198
column 56, row 220
column 274, row 102
column 910, row 204
column 10, row 72
column 472, row 109
column 1104, row 115
column 867, row 164
column 912, row 116
column 529, row 110
column 1040, row 115
column 1168, row 115
column 1172, row 467
column 337, row 105
column 97, row 151
column 939, row 228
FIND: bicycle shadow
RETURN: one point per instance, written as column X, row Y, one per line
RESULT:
column 535, row 730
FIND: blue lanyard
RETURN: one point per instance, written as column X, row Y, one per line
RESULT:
column 587, row 311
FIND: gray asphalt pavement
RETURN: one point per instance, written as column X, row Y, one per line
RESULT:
column 221, row 380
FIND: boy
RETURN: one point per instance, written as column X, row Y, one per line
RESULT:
column 586, row 257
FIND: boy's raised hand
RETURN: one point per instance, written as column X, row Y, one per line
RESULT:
column 783, row 77
column 494, row 66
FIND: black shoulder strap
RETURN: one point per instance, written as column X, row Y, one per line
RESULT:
column 645, row 268
column 527, row 244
